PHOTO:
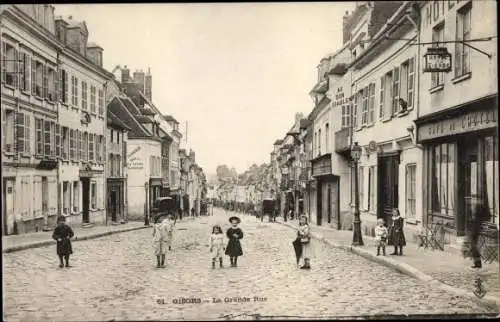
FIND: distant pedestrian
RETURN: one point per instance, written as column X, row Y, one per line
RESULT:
column 63, row 234
column 481, row 214
column 396, row 233
column 234, row 233
column 304, row 233
column 217, row 245
column 381, row 233
column 192, row 213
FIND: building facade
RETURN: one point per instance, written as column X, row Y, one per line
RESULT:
column 53, row 86
column 457, row 123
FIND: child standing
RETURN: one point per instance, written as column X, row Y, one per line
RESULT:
column 397, row 234
column 233, row 249
column 63, row 234
column 217, row 245
column 162, row 238
column 381, row 234
column 303, row 232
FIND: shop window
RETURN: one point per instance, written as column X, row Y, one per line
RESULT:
column 76, row 197
column 411, row 201
column 371, row 189
column 437, row 79
column 361, row 187
column 491, row 176
column 463, row 33
column 66, row 197
column 443, row 166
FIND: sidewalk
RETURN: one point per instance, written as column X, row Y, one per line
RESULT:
column 14, row 243
column 445, row 269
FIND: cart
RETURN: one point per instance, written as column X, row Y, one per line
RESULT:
column 268, row 206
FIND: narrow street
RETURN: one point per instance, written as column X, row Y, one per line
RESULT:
column 114, row 278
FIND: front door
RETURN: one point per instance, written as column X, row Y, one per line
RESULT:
column 85, row 200
column 8, row 206
column 388, row 186
column 45, row 199
column 113, row 204
column 334, row 196
column 468, row 182
column 329, row 203
column 319, row 205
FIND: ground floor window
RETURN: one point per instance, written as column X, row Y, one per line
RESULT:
column 411, row 174
column 371, row 189
column 93, row 195
column 66, row 198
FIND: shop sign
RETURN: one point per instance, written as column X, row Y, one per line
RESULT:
column 437, row 60
column 135, row 164
column 472, row 121
column 322, row 167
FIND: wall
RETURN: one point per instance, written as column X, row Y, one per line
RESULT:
column 483, row 79
column 139, row 152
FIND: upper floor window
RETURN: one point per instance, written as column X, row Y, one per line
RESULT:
column 462, row 52
column 395, row 91
column 101, row 102
column 8, row 123
column 49, row 84
column 84, row 95
column 74, row 91
column 437, row 79
column 37, row 77
column 406, row 90
column 346, row 116
column 92, row 99
column 63, row 86
column 24, row 72
column 10, row 64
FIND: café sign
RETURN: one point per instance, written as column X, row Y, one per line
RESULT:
column 437, row 59
column 471, row 121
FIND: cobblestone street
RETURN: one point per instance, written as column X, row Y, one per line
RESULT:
column 114, row 277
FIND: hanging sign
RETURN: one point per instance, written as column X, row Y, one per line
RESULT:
column 437, row 59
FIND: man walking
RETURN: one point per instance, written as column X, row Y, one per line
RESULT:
column 481, row 214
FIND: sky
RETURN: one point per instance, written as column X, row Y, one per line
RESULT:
column 236, row 73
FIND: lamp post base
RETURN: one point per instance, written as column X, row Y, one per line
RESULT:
column 357, row 238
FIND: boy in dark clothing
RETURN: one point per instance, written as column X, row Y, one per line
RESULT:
column 63, row 234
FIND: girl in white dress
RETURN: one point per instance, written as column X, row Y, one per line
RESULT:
column 217, row 245
column 304, row 232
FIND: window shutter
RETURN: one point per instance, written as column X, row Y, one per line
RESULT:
column 19, row 132
column 45, row 87
column 52, row 139
column 61, row 85
column 4, row 60
column 71, row 145
column 33, row 76
column 4, row 126
column 395, row 91
column 77, row 145
column 58, row 141
column 16, row 69
column 81, row 147
column 46, row 135
column 27, row 72
column 22, row 69
column 27, row 134
column 57, row 82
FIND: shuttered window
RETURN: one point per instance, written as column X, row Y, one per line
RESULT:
column 101, row 102
column 82, row 155
column 45, row 84
column 27, row 133
column 72, row 144
column 91, row 146
column 20, row 132
column 84, row 95
column 92, row 99
column 46, row 138
column 52, row 139
column 77, row 145
column 395, row 91
column 65, row 143
column 85, row 146
column 58, row 141
column 38, row 136
column 10, row 64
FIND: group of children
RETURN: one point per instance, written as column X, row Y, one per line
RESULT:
column 394, row 235
column 233, row 249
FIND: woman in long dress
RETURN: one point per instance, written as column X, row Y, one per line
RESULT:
column 397, row 233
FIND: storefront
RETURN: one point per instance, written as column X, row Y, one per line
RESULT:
column 327, row 192
column 461, row 163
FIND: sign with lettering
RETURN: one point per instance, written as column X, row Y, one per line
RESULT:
column 471, row 121
column 135, row 164
column 437, row 60
column 322, row 166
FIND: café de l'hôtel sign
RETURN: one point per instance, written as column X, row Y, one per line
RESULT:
column 467, row 122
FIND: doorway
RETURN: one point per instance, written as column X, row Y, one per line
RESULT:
column 113, row 204
column 45, row 199
column 468, row 181
column 388, row 178
column 8, row 206
column 319, row 203
column 329, row 204
column 85, row 199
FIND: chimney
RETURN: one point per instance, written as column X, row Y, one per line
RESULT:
column 298, row 117
column 139, row 79
column 148, row 86
column 94, row 53
column 61, row 29
column 125, row 75
column 77, row 36
column 346, row 32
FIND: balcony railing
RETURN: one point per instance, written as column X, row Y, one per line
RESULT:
column 342, row 140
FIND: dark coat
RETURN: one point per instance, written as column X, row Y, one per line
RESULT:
column 234, row 246
column 396, row 233
column 65, row 233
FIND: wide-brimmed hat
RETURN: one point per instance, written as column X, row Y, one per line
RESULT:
column 234, row 218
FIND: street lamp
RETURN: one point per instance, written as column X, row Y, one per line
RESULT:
column 357, row 239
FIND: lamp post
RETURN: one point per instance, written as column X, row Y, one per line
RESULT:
column 357, row 239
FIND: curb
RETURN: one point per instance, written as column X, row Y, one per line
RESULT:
column 488, row 301
column 43, row 243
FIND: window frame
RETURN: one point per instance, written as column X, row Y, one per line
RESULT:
column 462, row 52
column 411, row 196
